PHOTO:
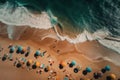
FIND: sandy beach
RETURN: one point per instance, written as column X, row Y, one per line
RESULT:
column 87, row 54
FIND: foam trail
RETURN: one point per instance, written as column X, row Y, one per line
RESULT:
column 10, row 30
column 85, row 36
column 115, row 45
column 20, row 16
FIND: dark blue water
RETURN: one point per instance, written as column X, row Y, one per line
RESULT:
column 79, row 15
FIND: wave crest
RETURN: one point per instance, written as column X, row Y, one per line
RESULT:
column 21, row 16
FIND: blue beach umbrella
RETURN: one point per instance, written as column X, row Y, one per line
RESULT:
column 37, row 53
column 20, row 48
column 66, row 78
column 12, row 48
column 88, row 69
column 107, row 68
column 73, row 62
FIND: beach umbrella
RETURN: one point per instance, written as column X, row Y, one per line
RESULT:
column 88, row 69
column 73, row 62
column 84, row 72
column 18, row 65
column 37, row 53
column 47, row 69
column 12, row 49
column 19, row 49
column 76, row 70
column 37, row 64
column 63, row 63
column 23, row 50
column 113, row 76
column 29, row 62
column 107, row 68
column 103, row 70
column 4, row 57
column 66, row 78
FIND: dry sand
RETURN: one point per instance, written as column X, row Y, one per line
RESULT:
column 86, row 54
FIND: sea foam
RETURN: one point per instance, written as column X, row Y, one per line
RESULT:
column 20, row 16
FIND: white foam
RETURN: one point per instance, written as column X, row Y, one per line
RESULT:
column 85, row 36
column 115, row 45
column 20, row 16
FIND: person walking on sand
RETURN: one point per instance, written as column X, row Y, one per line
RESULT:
column 50, row 62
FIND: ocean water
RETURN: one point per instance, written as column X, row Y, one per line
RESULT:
column 86, row 19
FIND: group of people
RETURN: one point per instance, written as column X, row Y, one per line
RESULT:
column 30, row 64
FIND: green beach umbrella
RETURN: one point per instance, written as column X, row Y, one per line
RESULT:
column 20, row 48
column 107, row 68
column 73, row 62
column 66, row 78
column 88, row 69
column 12, row 48
column 37, row 53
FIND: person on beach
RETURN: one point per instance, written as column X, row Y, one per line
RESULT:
column 39, row 71
column 28, row 51
column 52, row 75
column 50, row 62
column 10, row 45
